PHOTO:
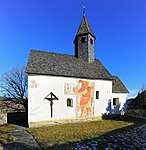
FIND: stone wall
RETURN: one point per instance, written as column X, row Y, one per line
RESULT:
column 137, row 112
column 10, row 105
column 11, row 111
column 3, row 118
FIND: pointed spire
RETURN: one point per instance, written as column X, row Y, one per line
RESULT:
column 84, row 27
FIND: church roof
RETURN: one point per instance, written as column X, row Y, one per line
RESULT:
column 118, row 86
column 84, row 28
column 46, row 63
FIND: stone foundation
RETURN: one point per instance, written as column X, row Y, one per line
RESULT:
column 61, row 121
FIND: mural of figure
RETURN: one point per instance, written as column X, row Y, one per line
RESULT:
column 84, row 92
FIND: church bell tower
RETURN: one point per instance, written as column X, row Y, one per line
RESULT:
column 84, row 42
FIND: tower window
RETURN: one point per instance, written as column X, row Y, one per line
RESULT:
column 91, row 41
column 97, row 94
column 115, row 101
column 70, row 102
column 82, row 39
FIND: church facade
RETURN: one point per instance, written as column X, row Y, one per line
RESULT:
column 65, row 87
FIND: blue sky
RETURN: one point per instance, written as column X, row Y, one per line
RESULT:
column 51, row 25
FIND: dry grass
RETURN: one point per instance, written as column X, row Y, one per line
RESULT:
column 59, row 134
column 6, row 136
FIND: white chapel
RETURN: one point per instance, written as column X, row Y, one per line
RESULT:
column 65, row 87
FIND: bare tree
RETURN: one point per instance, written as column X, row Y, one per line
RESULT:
column 143, row 88
column 14, row 84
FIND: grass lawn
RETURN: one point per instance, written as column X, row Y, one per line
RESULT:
column 64, row 133
column 6, row 133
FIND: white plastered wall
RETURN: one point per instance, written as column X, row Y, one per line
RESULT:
column 39, row 86
column 105, row 94
column 122, row 102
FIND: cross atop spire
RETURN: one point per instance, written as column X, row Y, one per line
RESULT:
column 84, row 10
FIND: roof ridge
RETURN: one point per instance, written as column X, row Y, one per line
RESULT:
column 43, row 51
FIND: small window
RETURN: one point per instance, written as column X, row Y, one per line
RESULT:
column 83, row 40
column 97, row 94
column 70, row 102
column 91, row 41
column 115, row 101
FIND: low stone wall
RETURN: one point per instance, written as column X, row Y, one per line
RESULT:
column 3, row 118
column 137, row 112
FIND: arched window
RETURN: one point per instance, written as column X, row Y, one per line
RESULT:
column 82, row 39
column 97, row 94
column 91, row 41
column 70, row 102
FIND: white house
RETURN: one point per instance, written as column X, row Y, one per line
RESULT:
column 65, row 87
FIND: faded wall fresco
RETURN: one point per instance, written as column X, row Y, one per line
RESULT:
column 69, row 88
column 33, row 84
column 84, row 91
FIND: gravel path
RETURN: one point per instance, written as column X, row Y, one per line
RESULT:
column 23, row 140
column 132, row 140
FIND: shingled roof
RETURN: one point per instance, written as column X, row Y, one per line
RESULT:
column 46, row 63
column 84, row 28
column 118, row 86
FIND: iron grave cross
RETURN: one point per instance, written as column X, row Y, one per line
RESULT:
column 51, row 97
